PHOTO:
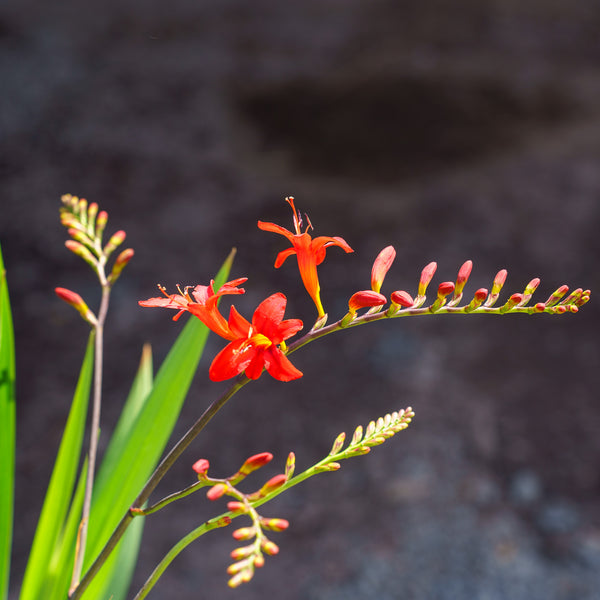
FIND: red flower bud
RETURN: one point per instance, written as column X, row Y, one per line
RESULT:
column 76, row 301
column 381, row 266
column 201, row 466
column 255, row 462
column 216, row 492
column 364, row 299
column 402, row 298
column 426, row 276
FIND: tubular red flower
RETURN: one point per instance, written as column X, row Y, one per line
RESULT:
column 202, row 303
column 309, row 252
column 255, row 346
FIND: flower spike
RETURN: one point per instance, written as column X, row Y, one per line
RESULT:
column 309, row 252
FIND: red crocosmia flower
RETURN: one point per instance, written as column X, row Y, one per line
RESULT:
column 202, row 303
column 309, row 252
column 256, row 346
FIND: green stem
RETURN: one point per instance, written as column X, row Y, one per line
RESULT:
column 154, row 480
column 95, row 428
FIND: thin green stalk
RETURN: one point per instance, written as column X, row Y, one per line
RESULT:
column 95, row 428
column 154, row 480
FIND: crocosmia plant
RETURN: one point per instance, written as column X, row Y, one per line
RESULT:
column 91, row 522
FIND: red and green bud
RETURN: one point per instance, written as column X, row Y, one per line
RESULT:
column 201, row 467
column 444, row 290
column 115, row 241
column 426, row 276
column 269, row 547
column 216, row 491
column 402, row 298
column 91, row 218
column 513, row 301
column 80, row 250
column 381, row 266
column 290, row 465
column 338, row 444
column 236, row 507
column 244, row 533
column 101, row 221
column 76, row 301
column 255, row 462
column 365, row 299
column 461, row 279
column 122, row 260
column 478, row 299
column 496, row 287
column 274, row 524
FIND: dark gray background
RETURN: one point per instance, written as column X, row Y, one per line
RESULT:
column 450, row 130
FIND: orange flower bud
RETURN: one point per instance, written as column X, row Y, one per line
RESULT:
column 270, row 548
column 81, row 251
column 244, row 533
column 116, row 240
column 122, row 260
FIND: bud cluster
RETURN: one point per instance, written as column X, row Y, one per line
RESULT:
column 86, row 226
column 249, row 557
column 449, row 295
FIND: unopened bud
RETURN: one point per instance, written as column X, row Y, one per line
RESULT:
column 426, row 276
column 101, row 221
column 244, row 533
column 82, row 211
column 557, row 295
column 274, row 524
column 216, row 491
column 255, row 462
column 461, row 280
column 478, row 299
column 76, row 301
column 242, row 552
column 116, row 240
column 513, row 301
column 381, row 266
column 290, row 465
column 259, row 561
column 236, row 507
column 122, row 260
column 402, row 298
column 357, row 436
column 91, row 218
column 496, row 287
column 444, row 290
column 201, row 467
column 272, row 485
column 338, row 444
column 82, row 252
column 365, row 299
column 270, row 548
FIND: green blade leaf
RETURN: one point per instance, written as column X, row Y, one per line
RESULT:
column 7, row 430
column 113, row 581
column 60, row 489
column 131, row 463
column 60, row 568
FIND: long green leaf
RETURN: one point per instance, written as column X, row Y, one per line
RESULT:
column 129, row 465
column 60, row 489
column 7, row 430
column 63, row 557
column 114, row 579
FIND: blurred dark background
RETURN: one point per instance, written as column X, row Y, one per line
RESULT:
column 450, row 130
